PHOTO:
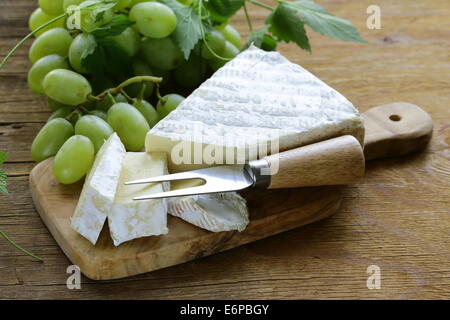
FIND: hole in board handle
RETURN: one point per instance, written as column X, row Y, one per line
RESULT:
column 395, row 117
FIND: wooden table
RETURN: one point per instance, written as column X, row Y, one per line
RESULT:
column 398, row 218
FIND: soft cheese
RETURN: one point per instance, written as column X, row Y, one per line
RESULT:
column 214, row 212
column 129, row 219
column 99, row 190
column 257, row 98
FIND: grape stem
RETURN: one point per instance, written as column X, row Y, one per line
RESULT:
column 124, row 84
column 202, row 32
column 31, row 34
column 262, row 5
column 15, row 245
column 247, row 17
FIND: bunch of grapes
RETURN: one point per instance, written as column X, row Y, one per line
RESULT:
column 88, row 107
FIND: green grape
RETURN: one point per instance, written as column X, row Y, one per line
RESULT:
column 89, row 105
column 269, row 43
column 41, row 68
column 38, row 18
column 140, row 68
column 78, row 47
column 53, row 41
column 120, row 98
column 191, row 73
column 74, row 159
column 88, row 20
column 161, row 53
column 52, row 7
column 68, row 3
column 50, row 138
column 67, row 87
column 147, row 110
column 167, row 104
column 154, row 19
column 129, row 41
column 95, row 128
column 65, row 113
column 230, row 52
column 130, row 125
column 99, row 113
column 135, row 2
column 231, row 35
column 105, row 103
column 216, row 43
column 55, row 105
column 185, row 2
column 122, row 4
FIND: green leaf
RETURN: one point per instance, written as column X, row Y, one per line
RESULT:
column 93, row 58
column 189, row 26
column 285, row 24
column 325, row 23
column 256, row 38
column 3, row 177
column 113, row 28
column 3, row 182
column 221, row 10
column 118, row 65
column 3, row 156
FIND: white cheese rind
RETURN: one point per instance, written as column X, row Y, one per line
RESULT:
column 214, row 212
column 99, row 190
column 129, row 219
column 256, row 98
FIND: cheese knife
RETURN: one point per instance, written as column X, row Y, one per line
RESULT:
column 394, row 129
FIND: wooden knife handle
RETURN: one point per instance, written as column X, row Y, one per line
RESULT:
column 392, row 130
column 330, row 162
column 396, row 129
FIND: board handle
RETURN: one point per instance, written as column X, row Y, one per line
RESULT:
column 330, row 162
column 396, row 129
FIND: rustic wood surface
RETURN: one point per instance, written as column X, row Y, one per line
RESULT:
column 396, row 218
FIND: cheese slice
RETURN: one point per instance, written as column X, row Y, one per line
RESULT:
column 129, row 219
column 257, row 100
column 214, row 212
column 99, row 190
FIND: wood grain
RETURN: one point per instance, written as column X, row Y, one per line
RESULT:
column 332, row 162
column 56, row 203
column 398, row 217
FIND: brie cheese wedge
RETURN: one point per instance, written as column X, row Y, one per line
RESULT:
column 214, row 212
column 129, row 219
column 257, row 101
column 99, row 190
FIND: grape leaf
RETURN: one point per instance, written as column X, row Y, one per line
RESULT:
column 3, row 156
column 189, row 26
column 221, row 10
column 3, row 177
column 93, row 59
column 118, row 64
column 256, row 38
column 325, row 23
column 113, row 28
column 285, row 24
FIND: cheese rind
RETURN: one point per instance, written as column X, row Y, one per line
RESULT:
column 257, row 99
column 99, row 190
column 214, row 212
column 129, row 219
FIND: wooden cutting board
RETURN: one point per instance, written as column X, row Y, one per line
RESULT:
column 391, row 130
